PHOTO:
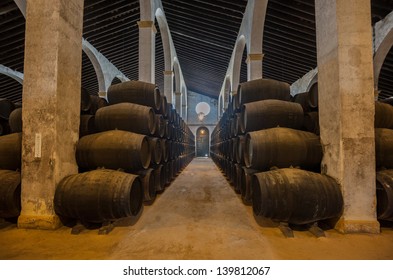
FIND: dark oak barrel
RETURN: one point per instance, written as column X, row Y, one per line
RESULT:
column 383, row 115
column 87, row 125
column 270, row 113
column 308, row 100
column 15, row 120
column 246, row 183
column 155, row 150
column 85, row 100
column 148, row 184
column 137, row 92
column 241, row 144
column 113, row 150
column 282, row 147
column 98, row 196
column 6, row 107
column 97, row 103
column 160, row 126
column 10, row 192
column 10, row 151
column 160, row 177
column 126, row 116
column 311, row 122
column 384, row 148
column 385, row 195
column 262, row 89
column 4, row 127
column 295, row 196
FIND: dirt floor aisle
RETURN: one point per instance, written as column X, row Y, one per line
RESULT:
column 199, row 216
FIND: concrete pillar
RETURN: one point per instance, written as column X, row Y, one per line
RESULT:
column 178, row 102
column 51, row 105
column 184, row 105
column 168, row 86
column 147, row 51
column 346, row 102
column 254, row 66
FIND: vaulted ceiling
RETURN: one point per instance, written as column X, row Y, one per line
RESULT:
column 204, row 33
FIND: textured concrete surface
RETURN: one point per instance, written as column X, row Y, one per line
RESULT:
column 346, row 107
column 51, row 105
column 198, row 216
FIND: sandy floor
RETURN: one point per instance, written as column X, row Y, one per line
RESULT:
column 198, row 216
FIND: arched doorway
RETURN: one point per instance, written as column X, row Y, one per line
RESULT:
column 202, row 142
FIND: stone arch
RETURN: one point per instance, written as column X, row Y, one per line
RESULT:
column 18, row 76
column 384, row 34
column 237, row 61
column 104, row 69
column 202, row 141
column 313, row 80
column 227, row 92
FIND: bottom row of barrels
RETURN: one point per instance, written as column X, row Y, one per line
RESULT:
column 297, row 196
column 95, row 196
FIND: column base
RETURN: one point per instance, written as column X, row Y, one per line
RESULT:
column 50, row 222
column 357, row 226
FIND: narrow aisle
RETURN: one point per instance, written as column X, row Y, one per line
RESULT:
column 199, row 216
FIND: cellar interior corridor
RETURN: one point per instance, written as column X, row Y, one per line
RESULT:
column 199, row 216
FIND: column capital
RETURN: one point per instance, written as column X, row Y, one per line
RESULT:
column 254, row 56
column 147, row 24
column 168, row 72
column 177, row 93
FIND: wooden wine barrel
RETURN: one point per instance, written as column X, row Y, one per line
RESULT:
column 159, row 176
column 241, row 142
column 385, row 195
column 6, row 107
column 384, row 148
column 383, row 115
column 307, row 101
column 160, row 126
column 311, row 122
column 96, row 103
column 163, row 107
column 87, row 125
column 4, row 127
column 98, row 196
column 237, row 178
column 15, row 120
column 165, row 147
column 295, row 196
column 10, row 151
column 282, row 147
column 155, row 150
column 148, row 184
column 168, row 172
column 270, row 113
column 113, row 150
column 246, row 184
column 85, row 100
column 262, row 89
column 10, row 191
column 137, row 92
column 126, row 116
column 313, row 96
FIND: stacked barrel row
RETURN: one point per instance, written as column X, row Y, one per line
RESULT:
column 10, row 163
column 384, row 160
column 261, row 145
column 140, row 145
